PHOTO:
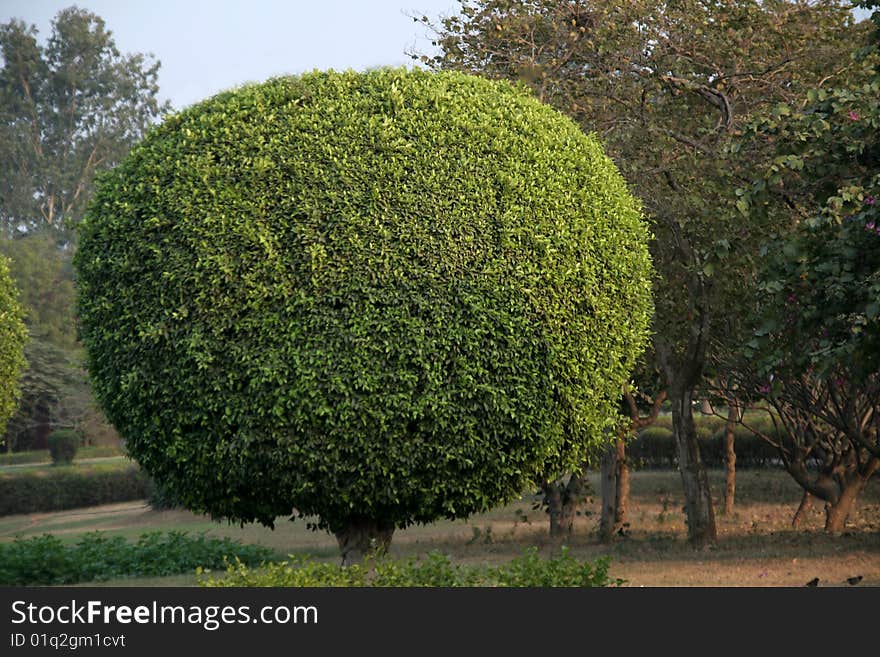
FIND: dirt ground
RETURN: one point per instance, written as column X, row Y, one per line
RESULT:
column 756, row 544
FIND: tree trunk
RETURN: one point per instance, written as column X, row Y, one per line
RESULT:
column 362, row 536
column 563, row 500
column 561, row 508
column 836, row 514
column 622, row 497
column 730, row 456
column 698, row 497
column 609, row 488
column 805, row 505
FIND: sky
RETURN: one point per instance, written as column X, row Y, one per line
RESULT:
column 207, row 46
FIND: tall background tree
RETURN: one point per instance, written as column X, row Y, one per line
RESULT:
column 815, row 354
column 69, row 108
column 669, row 87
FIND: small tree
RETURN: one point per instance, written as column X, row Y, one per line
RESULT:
column 377, row 299
column 13, row 336
column 815, row 356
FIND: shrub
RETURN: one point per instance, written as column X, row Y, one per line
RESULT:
column 96, row 557
column 63, row 444
column 13, row 336
column 70, row 488
column 378, row 298
column 436, row 569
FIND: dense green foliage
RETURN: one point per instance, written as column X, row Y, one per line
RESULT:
column 821, row 282
column 70, row 488
column 63, row 444
column 45, row 560
column 436, row 569
column 393, row 295
column 13, row 335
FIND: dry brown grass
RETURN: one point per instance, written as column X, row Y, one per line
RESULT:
column 756, row 544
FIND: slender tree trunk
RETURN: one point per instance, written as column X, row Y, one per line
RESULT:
column 698, row 497
column 553, row 500
column 730, row 455
column 805, row 505
column 563, row 500
column 562, row 510
column 361, row 536
column 615, row 469
column 609, row 489
column 837, row 514
column 622, row 492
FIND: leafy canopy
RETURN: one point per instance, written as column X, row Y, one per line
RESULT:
column 393, row 295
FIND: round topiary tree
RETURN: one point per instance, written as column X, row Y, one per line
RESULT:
column 374, row 298
column 13, row 336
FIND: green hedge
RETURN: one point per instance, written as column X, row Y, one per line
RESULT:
column 654, row 446
column 70, row 488
column 436, row 569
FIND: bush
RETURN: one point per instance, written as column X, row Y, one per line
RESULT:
column 13, row 336
column 378, row 298
column 436, row 569
column 63, row 444
column 70, row 488
column 45, row 560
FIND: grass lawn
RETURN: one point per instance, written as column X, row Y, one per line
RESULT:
column 42, row 455
column 756, row 547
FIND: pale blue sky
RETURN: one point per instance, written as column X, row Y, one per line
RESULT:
column 206, row 46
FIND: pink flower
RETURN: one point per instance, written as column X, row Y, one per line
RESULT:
column 854, row 115
column 764, row 389
column 870, row 200
column 869, row 225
